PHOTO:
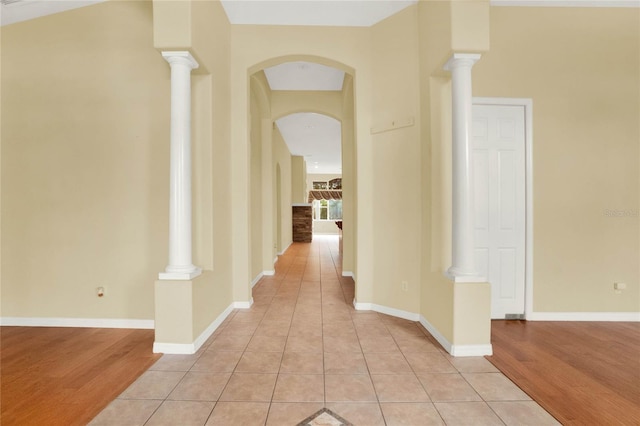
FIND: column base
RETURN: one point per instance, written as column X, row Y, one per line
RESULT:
column 186, row 275
column 462, row 277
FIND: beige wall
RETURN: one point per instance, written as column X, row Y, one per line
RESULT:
column 256, row 186
column 582, row 73
column 85, row 179
column 282, row 161
column 298, row 179
column 396, row 161
column 85, row 143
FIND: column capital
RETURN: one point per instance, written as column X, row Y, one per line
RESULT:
column 180, row 57
column 462, row 59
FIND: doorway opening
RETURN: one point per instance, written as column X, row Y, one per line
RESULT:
column 301, row 132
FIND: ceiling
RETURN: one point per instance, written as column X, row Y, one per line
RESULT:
column 351, row 13
column 314, row 136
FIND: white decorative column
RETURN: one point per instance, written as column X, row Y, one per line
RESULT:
column 180, row 265
column 462, row 260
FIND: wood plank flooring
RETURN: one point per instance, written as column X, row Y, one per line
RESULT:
column 582, row 373
column 66, row 376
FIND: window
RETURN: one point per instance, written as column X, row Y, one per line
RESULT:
column 327, row 209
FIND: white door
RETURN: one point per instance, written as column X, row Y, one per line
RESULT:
column 500, row 211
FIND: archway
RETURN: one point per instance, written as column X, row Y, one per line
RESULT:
column 272, row 105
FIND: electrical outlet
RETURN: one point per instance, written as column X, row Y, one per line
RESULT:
column 405, row 286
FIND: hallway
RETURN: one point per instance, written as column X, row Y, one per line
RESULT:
column 302, row 347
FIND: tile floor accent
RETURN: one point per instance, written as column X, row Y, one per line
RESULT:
column 324, row 417
column 302, row 348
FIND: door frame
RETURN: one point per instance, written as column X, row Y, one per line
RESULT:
column 527, row 103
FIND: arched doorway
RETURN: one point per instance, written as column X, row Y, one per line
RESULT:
column 272, row 103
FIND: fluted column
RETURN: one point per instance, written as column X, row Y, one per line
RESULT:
column 180, row 265
column 462, row 257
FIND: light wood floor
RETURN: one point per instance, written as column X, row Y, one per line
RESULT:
column 583, row 373
column 65, row 376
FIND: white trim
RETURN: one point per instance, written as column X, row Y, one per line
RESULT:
column 386, row 310
column 567, row 3
column 348, row 274
column 454, row 350
column 243, row 304
column 362, row 306
column 256, row 279
column 411, row 316
column 191, row 348
column 471, row 350
column 212, row 327
column 77, row 322
column 585, row 316
column 527, row 103
column 284, row 251
column 269, row 273
column 275, row 259
column 173, row 348
column 436, row 334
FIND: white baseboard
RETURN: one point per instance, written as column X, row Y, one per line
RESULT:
column 77, row 322
column 285, row 250
column 212, row 327
column 191, row 348
column 349, row 274
column 471, row 350
column 456, row 350
column 386, row 310
column 174, row 348
column 269, row 273
column 584, row 316
column 243, row 305
column 256, row 279
column 436, row 334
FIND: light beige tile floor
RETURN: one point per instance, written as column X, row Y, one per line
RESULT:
column 302, row 347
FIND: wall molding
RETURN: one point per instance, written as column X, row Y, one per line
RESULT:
column 436, row 334
column 256, row 279
column 471, row 350
column 285, row 249
column 242, row 304
column 585, row 316
column 399, row 313
column 269, row 273
column 191, row 348
column 454, row 350
column 349, row 274
column 77, row 322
